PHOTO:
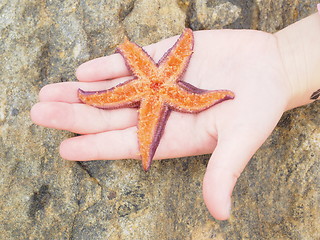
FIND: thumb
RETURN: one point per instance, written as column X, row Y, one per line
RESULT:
column 231, row 155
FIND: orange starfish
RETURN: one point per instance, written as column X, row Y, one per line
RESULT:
column 157, row 89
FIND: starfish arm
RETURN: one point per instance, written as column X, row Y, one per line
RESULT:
column 127, row 94
column 187, row 98
column 174, row 63
column 137, row 60
column 153, row 115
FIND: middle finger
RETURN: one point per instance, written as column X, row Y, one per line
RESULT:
column 81, row 118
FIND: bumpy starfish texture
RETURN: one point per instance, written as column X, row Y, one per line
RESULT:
column 157, row 88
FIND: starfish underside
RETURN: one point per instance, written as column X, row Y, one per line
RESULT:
column 156, row 89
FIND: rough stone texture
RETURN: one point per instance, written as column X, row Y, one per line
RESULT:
column 45, row 197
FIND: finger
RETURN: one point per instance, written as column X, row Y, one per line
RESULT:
column 112, row 145
column 227, row 162
column 123, row 144
column 68, row 91
column 80, row 118
column 108, row 67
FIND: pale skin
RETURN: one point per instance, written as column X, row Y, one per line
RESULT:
column 262, row 69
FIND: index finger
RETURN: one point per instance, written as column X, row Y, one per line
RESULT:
column 114, row 66
column 108, row 67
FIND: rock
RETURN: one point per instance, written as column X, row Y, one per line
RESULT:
column 164, row 19
column 45, row 197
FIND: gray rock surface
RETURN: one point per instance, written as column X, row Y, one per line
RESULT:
column 45, row 197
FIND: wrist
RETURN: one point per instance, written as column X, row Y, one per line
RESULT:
column 300, row 53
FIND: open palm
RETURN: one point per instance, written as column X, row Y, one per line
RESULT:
column 243, row 61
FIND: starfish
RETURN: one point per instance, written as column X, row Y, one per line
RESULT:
column 157, row 88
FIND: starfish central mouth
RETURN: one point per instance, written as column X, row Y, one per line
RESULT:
column 155, row 85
